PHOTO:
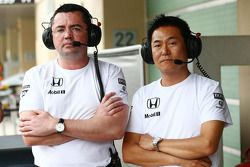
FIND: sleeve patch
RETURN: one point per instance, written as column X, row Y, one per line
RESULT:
column 122, row 81
column 25, row 89
column 219, row 96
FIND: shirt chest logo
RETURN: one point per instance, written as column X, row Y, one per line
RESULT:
column 153, row 103
column 57, row 82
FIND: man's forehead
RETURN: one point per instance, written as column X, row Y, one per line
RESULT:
column 69, row 18
column 166, row 32
column 68, row 14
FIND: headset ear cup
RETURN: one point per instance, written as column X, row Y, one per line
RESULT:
column 95, row 35
column 146, row 53
column 194, row 46
column 47, row 38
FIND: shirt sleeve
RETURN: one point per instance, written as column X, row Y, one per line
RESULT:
column 116, row 83
column 31, row 97
column 214, row 106
column 135, row 123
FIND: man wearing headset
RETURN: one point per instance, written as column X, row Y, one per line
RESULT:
column 177, row 120
column 61, row 113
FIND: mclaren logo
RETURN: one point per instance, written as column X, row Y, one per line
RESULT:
column 219, row 96
column 122, row 81
column 56, row 82
column 25, row 89
column 153, row 103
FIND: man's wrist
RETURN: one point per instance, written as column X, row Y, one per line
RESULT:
column 60, row 127
column 156, row 141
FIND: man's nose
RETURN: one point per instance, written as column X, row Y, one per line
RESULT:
column 165, row 49
column 68, row 33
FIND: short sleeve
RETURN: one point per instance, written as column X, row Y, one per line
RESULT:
column 31, row 97
column 135, row 123
column 116, row 82
column 214, row 106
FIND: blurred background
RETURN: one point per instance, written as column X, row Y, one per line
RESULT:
column 223, row 24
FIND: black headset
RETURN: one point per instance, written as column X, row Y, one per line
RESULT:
column 94, row 32
column 193, row 44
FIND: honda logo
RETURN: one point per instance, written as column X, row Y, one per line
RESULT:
column 153, row 103
column 56, row 82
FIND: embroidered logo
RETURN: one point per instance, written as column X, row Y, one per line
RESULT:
column 25, row 89
column 153, row 103
column 122, row 81
column 219, row 96
column 155, row 114
column 221, row 99
column 56, row 92
column 56, row 82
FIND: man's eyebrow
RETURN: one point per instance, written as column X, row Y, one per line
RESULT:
column 76, row 25
column 172, row 37
column 156, row 41
column 59, row 26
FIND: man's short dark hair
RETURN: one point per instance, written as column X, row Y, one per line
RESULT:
column 162, row 20
column 73, row 8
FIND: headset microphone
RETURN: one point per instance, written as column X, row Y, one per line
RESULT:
column 78, row 43
column 179, row 62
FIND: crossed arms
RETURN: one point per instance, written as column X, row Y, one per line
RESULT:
column 183, row 152
column 109, row 123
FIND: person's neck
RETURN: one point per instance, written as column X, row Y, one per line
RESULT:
column 73, row 64
column 172, row 79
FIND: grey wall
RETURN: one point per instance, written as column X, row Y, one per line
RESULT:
column 221, row 51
